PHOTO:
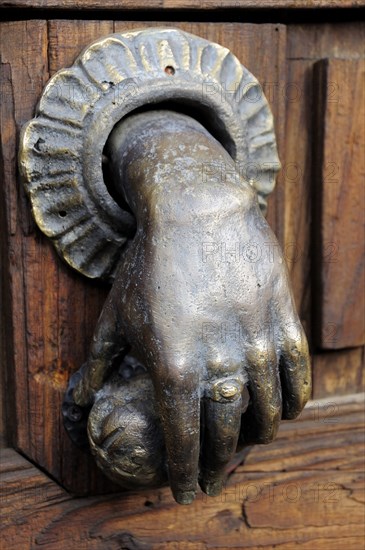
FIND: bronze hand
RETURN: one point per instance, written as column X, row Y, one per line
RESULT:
column 202, row 296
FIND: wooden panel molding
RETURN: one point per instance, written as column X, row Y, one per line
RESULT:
column 339, row 227
column 181, row 4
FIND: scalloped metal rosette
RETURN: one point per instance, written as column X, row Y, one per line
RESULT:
column 61, row 148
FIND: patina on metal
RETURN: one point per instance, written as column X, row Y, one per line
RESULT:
column 198, row 350
column 61, row 149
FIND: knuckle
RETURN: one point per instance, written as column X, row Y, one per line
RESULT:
column 260, row 353
column 303, row 397
column 293, row 332
column 292, row 411
column 296, row 348
column 223, row 367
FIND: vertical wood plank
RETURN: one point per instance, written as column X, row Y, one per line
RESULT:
column 343, row 40
column 24, row 73
column 340, row 220
column 53, row 310
column 7, row 132
column 338, row 372
column 297, row 202
column 306, row 44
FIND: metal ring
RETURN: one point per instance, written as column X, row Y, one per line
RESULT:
column 226, row 390
column 61, row 149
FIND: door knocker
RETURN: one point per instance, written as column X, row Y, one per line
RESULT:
column 148, row 164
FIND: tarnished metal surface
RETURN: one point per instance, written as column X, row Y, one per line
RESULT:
column 61, row 149
column 201, row 301
column 209, row 327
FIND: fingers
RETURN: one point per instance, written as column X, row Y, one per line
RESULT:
column 295, row 371
column 177, row 392
column 106, row 345
column 295, row 368
column 261, row 421
column 222, row 412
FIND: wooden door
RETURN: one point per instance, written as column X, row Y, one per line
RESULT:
column 305, row 487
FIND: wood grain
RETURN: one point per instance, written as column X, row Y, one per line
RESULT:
column 54, row 310
column 338, row 373
column 50, row 311
column 326, row 40
column 181, row 4
column 306, row 44
column 296, row 208
column 293, row 494
column 18, row 106
column 339, row 171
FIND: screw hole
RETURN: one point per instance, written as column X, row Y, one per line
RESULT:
column 170, row 70
column 62, row 213
column 38, row 145
column 108, row 84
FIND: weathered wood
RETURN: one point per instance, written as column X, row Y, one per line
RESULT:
column 181, row 4
column 54, row 310
column 296, row 208
column 344, row 40
column 68, row 38
column 278, row 497
column 338, row 373
column 305, row 45
column 304, row 488
column 340, row 222
column 6, row 350
column 18, row 103
column 328, row 434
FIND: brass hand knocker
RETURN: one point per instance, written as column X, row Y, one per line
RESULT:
column 148, row 164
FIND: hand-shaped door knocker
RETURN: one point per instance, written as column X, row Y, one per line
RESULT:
column 148, row 164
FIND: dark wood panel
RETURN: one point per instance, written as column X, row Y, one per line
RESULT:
column 6, row 348
column 339, row 229
column 181, row 4
column 18, row 102
column 52, row 311
column 286, row 495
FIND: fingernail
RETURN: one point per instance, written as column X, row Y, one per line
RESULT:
column 213, row 489
column 186, row 497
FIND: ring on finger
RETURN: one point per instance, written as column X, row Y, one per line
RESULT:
column 226, row 390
